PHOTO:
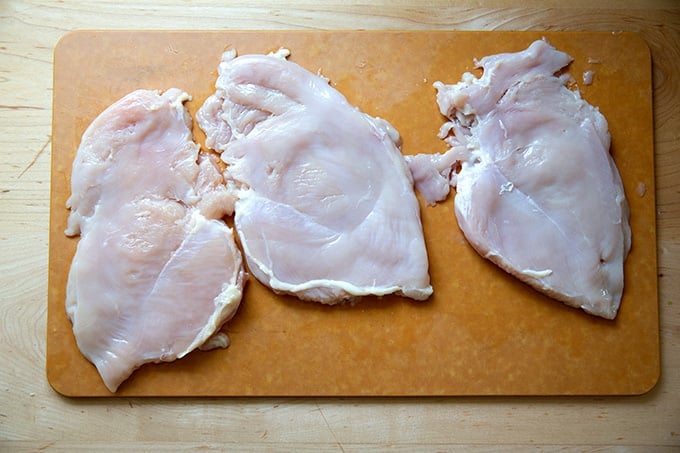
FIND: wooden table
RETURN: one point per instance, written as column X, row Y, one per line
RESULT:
column 34, row 417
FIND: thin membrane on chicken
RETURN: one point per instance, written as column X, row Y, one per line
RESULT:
column 156, row 272
column 537, row 191
column 325, row 207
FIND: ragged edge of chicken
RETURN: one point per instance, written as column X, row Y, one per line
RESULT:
column 156, row 272
column 537, row 191
column 325, row 209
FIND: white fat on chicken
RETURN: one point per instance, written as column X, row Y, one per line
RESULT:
column 156, row 272
column 325, row 208
column 537, row 191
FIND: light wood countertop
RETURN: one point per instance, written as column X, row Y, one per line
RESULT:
column 34, row 418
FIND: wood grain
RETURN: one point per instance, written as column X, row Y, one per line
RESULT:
column 33, row 417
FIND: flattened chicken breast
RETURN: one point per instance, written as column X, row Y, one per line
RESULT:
column 325, row 204
column 156, row 273
column 537, row 191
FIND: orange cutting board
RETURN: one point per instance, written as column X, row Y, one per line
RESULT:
column 481, row 333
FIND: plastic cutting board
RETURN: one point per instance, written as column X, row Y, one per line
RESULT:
column 482, row 333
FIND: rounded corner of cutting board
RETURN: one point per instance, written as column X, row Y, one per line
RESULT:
column 648, row 385
column 638, row 40
column 69, row 39
column 56, row 382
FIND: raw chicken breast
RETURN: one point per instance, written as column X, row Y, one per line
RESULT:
column 537, row 191
column 156, row 273
column 326, row 208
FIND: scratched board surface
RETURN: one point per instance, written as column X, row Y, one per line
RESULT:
column 481, row 333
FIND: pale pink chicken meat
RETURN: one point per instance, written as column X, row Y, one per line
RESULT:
column 156, row 272
column 325, row 207
column 537, row 191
